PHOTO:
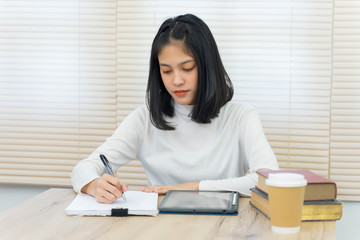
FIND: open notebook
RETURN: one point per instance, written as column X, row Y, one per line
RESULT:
column 138, row 203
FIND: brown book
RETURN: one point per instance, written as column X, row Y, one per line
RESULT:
column 317, row 188
column 312, row 210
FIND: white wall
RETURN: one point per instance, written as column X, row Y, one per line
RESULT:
column 11, row 195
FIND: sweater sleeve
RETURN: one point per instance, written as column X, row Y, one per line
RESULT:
column 119, row 149
column 257, row 154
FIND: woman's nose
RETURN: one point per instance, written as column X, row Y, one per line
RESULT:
column 178, row 80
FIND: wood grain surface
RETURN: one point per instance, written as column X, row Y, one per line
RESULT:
column 44, row 217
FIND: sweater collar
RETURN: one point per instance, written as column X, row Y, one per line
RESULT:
column 183, row 109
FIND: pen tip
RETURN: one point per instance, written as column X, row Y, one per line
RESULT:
column 123, row 197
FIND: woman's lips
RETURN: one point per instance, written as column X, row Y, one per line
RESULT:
column 180, row 93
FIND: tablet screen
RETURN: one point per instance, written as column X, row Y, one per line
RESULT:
column 200, row 202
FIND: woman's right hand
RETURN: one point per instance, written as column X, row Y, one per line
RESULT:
column 105, row 189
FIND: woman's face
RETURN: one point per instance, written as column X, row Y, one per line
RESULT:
column 179, row 73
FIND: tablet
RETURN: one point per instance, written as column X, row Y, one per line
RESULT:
column 200, row 202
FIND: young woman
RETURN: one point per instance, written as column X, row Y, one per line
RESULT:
column 188, row 135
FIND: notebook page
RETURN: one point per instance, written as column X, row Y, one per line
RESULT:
column 138, row 203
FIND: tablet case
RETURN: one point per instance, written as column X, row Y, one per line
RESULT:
column 204, row 202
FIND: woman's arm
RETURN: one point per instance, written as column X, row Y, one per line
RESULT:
column 258, row 154
column 119, row 149
column 163, row 189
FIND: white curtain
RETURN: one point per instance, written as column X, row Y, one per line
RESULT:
column 71, row 71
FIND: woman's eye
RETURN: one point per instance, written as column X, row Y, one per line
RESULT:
column 166, row 72
column 188, row 69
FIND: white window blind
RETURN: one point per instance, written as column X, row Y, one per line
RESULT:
column 71, row 71
column 135, row 31
column 58, row 81
column 345, row 108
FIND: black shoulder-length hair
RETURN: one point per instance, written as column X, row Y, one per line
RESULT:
column 214, row 85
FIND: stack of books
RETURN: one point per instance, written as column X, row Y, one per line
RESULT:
column 319, row 201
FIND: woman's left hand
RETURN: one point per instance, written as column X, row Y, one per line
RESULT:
column 163, row 189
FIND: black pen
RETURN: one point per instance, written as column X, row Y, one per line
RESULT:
column 109, row 170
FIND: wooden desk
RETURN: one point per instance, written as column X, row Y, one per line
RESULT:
column 43, row 217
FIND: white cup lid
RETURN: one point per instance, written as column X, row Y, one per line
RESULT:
column 286, row 180
column 285, row 230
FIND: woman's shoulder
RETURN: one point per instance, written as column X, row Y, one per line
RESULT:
column 238, row 113
column 141, row 113
column 142, row 108
column 237, row 108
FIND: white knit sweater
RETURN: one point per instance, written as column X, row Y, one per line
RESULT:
column 223, row 154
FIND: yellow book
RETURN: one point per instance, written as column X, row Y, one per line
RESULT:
column 312, row 210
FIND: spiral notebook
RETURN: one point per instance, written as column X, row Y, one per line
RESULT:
column 138, row 203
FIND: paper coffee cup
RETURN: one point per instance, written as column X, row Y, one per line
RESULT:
column 286, row 198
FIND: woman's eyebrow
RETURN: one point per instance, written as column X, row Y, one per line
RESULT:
column 182, row 63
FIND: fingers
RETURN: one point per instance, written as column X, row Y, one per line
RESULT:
column 163, row 189
column 124, row 187
column 104, row 199
column 108, row 189
column 160, row 189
